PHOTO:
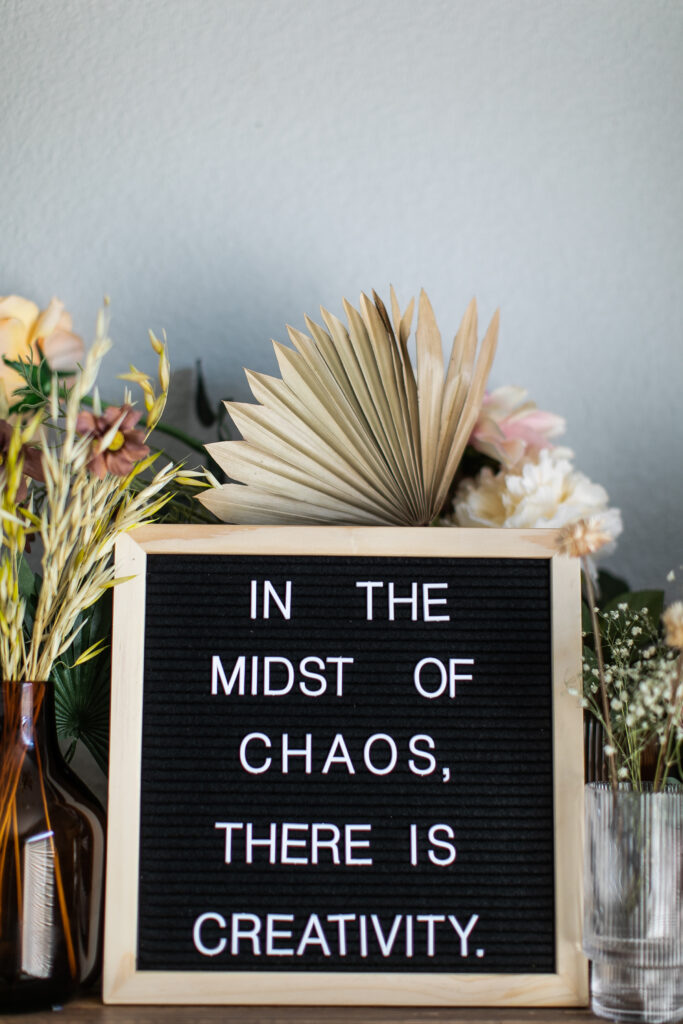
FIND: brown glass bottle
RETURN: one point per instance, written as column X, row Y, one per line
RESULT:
column 51, row 858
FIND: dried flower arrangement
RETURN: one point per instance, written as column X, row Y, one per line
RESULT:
column 632, row 671
column 73, row 478
column 351, row 433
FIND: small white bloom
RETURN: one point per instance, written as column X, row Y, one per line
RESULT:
column 542, row 492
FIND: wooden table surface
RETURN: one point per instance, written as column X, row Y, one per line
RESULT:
column 85, row 1011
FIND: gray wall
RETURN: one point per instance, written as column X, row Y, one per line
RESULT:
column 220, row 167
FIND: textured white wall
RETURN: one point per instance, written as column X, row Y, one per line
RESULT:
column 220, row 167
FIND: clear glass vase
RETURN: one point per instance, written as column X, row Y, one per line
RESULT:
column 633, row 904
column 51, row 858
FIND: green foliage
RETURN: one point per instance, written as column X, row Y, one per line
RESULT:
column 202, row 403
column 651, row 601
column 614, row 594
column 35, row 392
column 82, row 690
column 610, row 586
column 29, row 588
column 639, row 691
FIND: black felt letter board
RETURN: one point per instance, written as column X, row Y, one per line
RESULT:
column 474, row 894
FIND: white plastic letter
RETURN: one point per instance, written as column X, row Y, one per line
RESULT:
column 442, row 844
column 218, row 673
column 421, row 737
column 288, row 752
column 197, row 935
column 251, row 934
column 412, row 601
column 248, row 767
column 229, row 827
column 417, row 678
column 343, row 757
column 428, row 601
column 270, row 591
column 269, row 689
column 453, row 675
column 370, row 584
column 392, row 758
column 464, row 934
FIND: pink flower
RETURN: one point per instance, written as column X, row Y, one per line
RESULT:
column 23, row 328
column 510, row 428
column 116, row 452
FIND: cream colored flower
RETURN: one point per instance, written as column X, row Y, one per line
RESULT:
column 544, row 492
column 673, row 624
column 588, row 535
column 23, row 327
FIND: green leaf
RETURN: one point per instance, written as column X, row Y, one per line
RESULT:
column 28, row 402
column 638, row 601
column 610, row 586
column 586, row 621
column 29, row 588
column 81, row 683
column 202, row 405
column 92, row 652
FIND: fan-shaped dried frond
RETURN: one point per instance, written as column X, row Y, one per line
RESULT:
column 351, row 433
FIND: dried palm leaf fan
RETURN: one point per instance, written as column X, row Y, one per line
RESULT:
column 349, row 435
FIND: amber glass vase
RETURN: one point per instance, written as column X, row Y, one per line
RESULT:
column 51, row 858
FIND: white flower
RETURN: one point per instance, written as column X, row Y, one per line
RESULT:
column 544, row 492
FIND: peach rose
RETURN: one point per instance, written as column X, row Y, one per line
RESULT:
column 23, row 327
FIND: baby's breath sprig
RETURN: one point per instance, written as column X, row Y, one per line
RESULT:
column 636, row 692
column 642, row 685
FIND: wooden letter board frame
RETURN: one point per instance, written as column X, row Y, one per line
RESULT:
column 124, row 983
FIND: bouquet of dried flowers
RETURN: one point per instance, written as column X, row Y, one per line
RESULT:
column 352, row 432
column 632, row 671
column 74, row 476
